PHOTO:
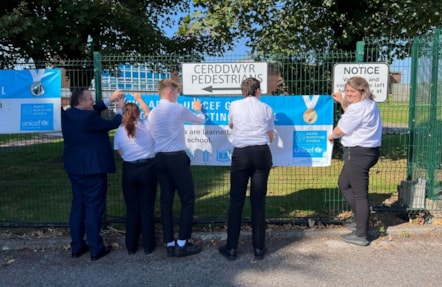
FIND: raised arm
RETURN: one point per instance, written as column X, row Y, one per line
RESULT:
column 337, row 96
column 143, row 105
column 116, row 95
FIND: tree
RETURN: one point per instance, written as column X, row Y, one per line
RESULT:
column 297, row 26
column 48, row 30
column 303, row 38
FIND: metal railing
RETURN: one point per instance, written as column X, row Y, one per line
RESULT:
column 34, row 189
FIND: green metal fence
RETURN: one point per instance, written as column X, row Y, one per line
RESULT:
column 425, row 155
column 34, row 190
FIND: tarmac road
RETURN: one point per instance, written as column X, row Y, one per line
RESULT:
column 408, row 255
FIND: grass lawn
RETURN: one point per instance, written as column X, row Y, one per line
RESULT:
column 35, row 188
column 394, row 113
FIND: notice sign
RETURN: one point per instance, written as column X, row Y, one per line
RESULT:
column 221, row 78
column 377, row 75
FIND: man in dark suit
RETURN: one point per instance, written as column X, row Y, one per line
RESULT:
column 88, row 157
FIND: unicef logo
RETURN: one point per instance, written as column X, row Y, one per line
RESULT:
column 37, row 89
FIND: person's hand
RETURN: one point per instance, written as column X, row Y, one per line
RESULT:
column 137, row 96
column 336, row 134
column 117, row 95
column 120, row 103
column 197, row 105
column 330, row 137
column 337, row 96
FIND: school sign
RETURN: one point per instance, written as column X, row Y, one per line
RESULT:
column 221, row 78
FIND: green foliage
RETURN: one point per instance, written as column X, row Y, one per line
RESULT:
column 296, row 26
column 45, row 30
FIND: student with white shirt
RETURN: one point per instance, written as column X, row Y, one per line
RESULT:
column 166, row 123
column 135, row 146
column 252, row 124
column 360, row 131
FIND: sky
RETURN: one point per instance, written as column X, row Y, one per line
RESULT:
column 402, row 66
column 239, row 50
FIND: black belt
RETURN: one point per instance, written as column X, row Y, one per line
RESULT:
column 349, row 147
column 172, row 152
column 140, row 160
column 249, row 146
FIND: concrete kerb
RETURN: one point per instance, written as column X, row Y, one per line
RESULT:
column 63, row 241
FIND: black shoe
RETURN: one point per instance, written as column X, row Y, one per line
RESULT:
column 170, row 251
column 259, row 253
column 148, row 251
column 131, row 252
column 105, row 251
column 230, row 254
column 187, row 250
column 354, row 239
column 80, row 252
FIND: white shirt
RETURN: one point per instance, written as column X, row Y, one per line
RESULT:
column 166, row 123
column 362, row 125
column 251, row 120
column 138, row 147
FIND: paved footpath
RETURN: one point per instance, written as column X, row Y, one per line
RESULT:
column 408, row 255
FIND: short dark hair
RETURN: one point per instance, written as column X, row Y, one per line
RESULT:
column 77, row 94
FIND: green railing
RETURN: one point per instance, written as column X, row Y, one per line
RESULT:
column 425, row 153
column 34, row 190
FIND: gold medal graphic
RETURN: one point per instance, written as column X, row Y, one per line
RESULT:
column 310, row 116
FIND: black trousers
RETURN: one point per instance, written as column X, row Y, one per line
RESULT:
column 354, row 180
column 254, row 163
column 174, row 173
column 139, row 184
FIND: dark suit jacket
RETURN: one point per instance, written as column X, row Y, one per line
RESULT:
column 87, row 146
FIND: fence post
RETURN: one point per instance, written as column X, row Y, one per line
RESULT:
column 433, row 123
column 412, row 105
column 360, row 51
column 97, row 76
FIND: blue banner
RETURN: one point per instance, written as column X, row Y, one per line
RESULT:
column 301, row 123
column 30, row 100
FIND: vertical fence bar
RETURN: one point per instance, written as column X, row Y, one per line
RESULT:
column 360, row 51
column 433, row 124
column 97, row 76
column 412, row 106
